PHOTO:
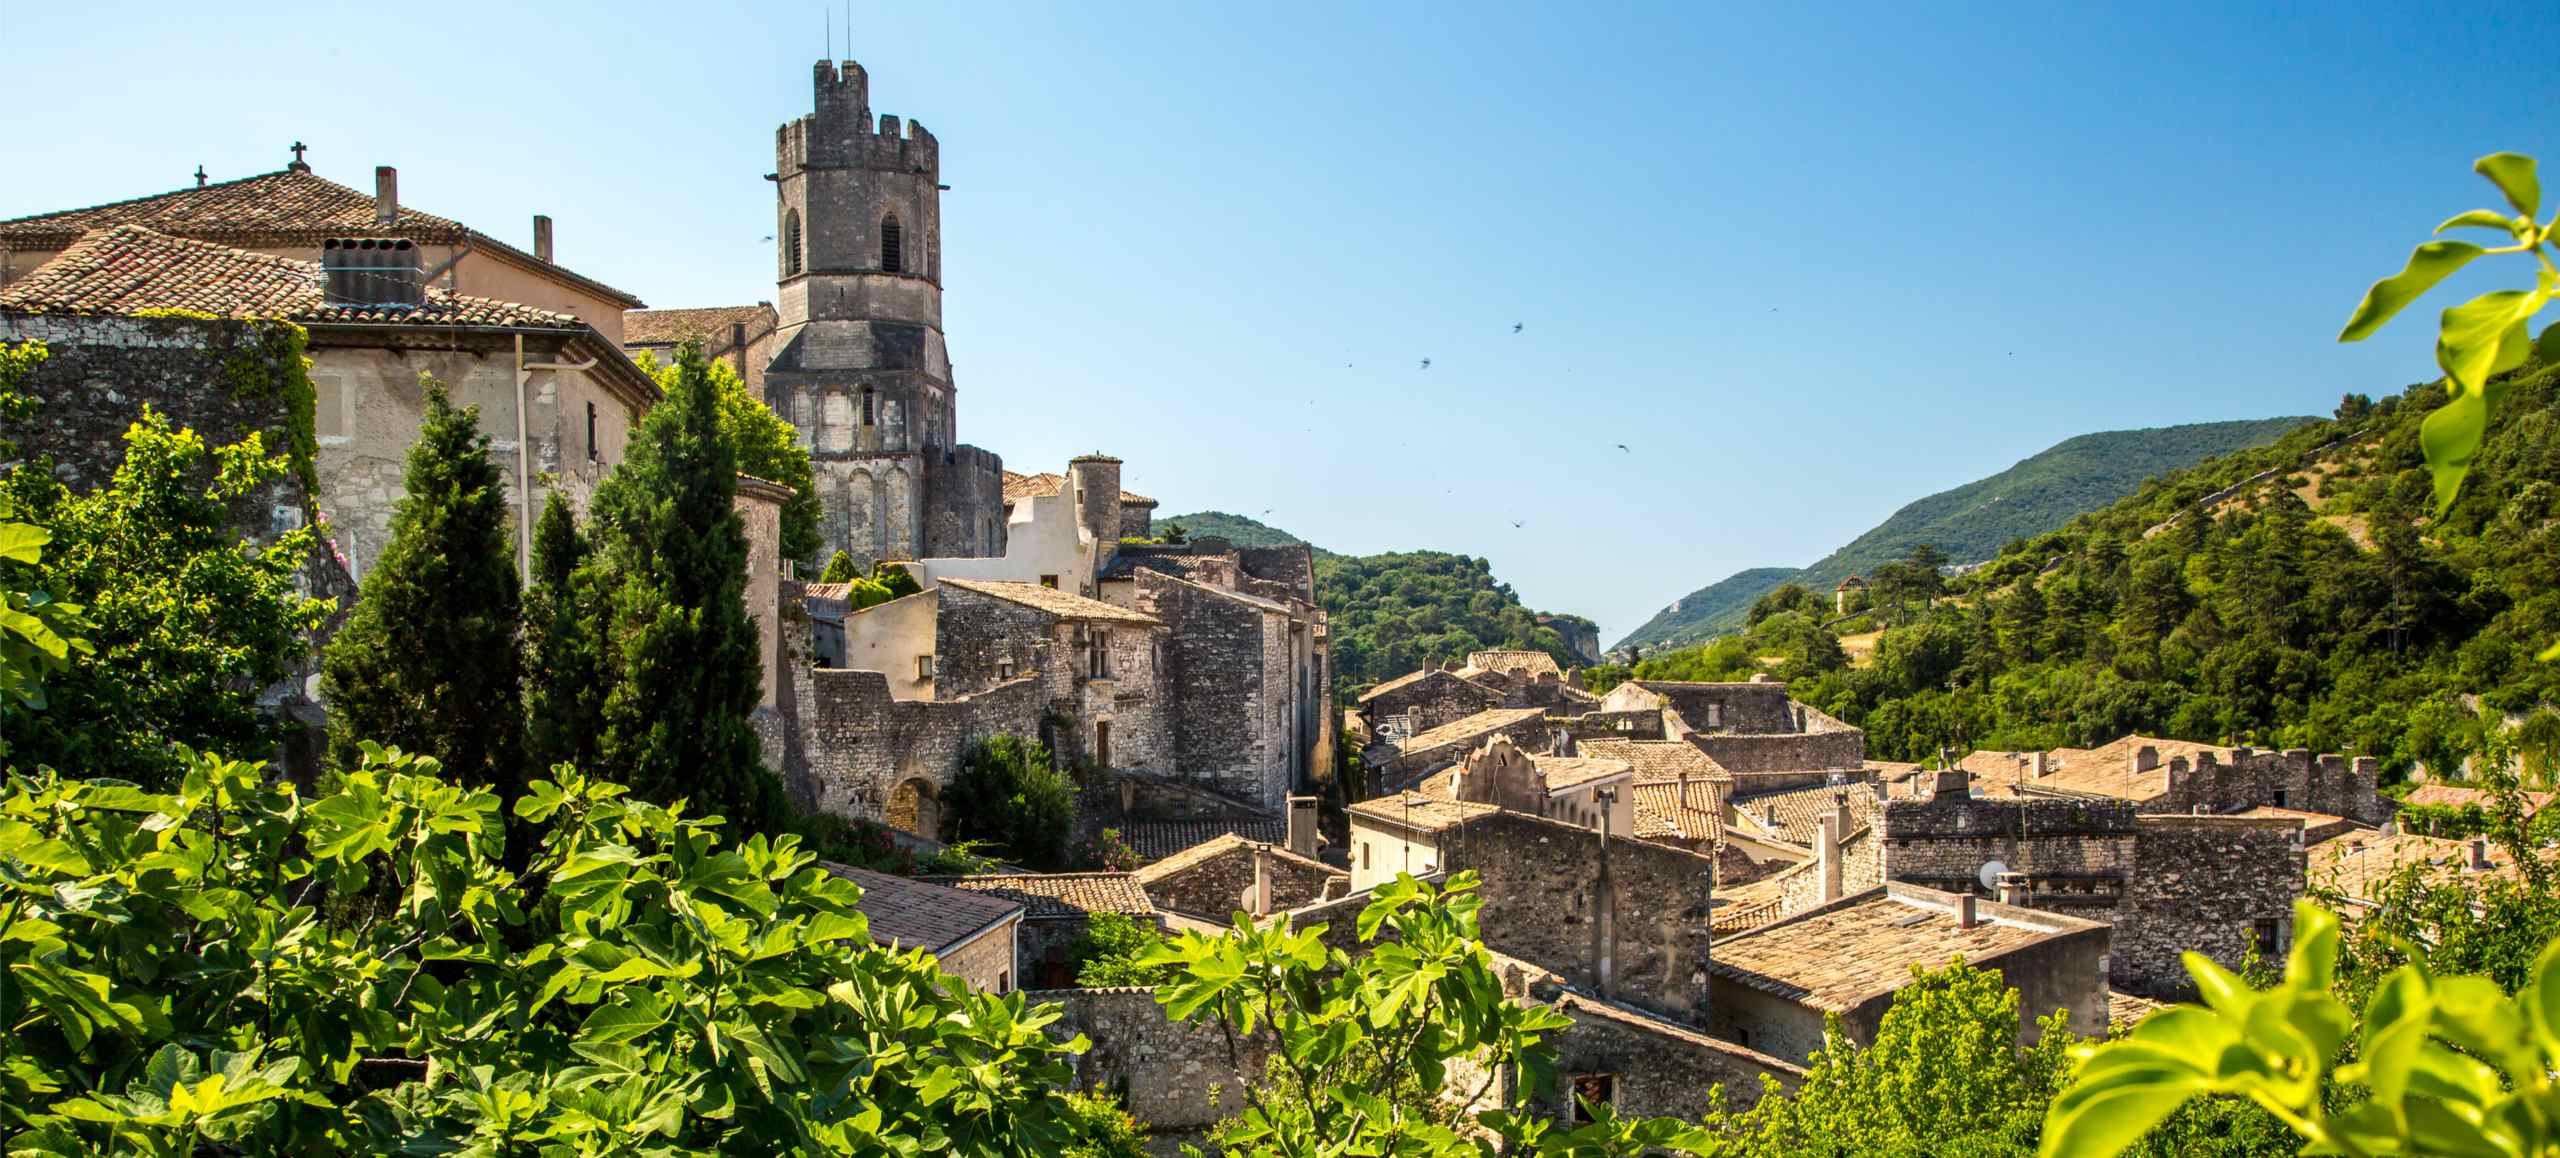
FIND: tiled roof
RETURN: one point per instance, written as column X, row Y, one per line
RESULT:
column 1800, row 811
column 1837, row 960
column 2457, row 796
column 1134, row 499
column 287, row 207
column 1564, row 772
column 1657, row 759
column 1530, row 664
column 713, row 326
column 2360, row 863
column 1018, row 487
column 2123, row 1008
column 1660, row 815
column 1406, row 680
column 2108, row 768
column 1422, row 813
column 913, row 914
column 1213, row 848
column 129, row 268
column 1063, row 604
column 1481, row 724
column 1045, row 895
column 1580, row 1006
column 827, row 590
column 1158, row 839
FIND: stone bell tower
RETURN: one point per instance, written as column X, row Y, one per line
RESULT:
column 860, row 367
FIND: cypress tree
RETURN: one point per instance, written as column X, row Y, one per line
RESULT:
column 679, row 651
column 428, row 659
column 564, row 683
column 840, row 569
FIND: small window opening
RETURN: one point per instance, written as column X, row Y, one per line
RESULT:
column 2265, row 933
column 1004, row 982
column 1049, row 581
column 1099, row 661
column 893, row 245
column 924, row 667
column 869, row 413
column 791, row 243
column 1591, row 1090
column 1004, row 667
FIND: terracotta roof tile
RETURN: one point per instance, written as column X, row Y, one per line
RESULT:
column 1018, row 487
column 1158, row 839
column 1564, row 772
column 1530, row 664
column 1477, row 726
column 2360, row 863
column 1658, row 759
column 287, row 207
column 914, row 914
column 1421, row 813
column 713, row 326
column 1063, row 604
column 1798, row 812
column 2457, row 796
column 128, row 269
column 1049, row 895
column 1661, row 816
column 1837, row 960
column 1213, row 848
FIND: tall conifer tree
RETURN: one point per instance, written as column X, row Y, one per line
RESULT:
column 427, row 661
column 669, row 564
column 564, row 680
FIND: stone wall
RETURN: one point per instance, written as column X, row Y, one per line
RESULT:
column 1215, row 885
column 964, row 507
column 846, row 745
column 2213, row 884
column 2289, row 779
column 1171, row 1075
column 1215, row 679
column 988, row 964
column 1437, row 698
column 2078, row 855
column 1824, row 744
column 1629, row 923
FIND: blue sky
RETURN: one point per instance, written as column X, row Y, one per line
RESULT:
column 1807, row 264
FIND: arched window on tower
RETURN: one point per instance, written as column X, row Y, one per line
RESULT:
column 791, row 243
column 893, row 244
column 868, row 414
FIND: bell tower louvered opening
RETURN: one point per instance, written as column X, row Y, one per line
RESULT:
column 893, row 245
column 372, row 272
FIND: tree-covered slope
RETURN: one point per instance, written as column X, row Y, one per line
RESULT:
column 1236, row 529
column 2320, row 603
column 1394, row 612
column 1972, row 522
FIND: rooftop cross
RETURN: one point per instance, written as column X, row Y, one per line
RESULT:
column 199, row 176
column 298, row 165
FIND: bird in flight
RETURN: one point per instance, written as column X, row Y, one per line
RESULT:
column 1516, row 522
column 1426, row 363
column 1623, row 446
column 1515, row 326
column 768, row 237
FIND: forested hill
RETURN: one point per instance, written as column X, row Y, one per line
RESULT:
column 2324, row 606
column 1394, row 612
column 1972, row 522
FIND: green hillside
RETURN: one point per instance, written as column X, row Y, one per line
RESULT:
column 2297, row 595
column 1395, row 612
column 1972, row 522
column 1236, row 529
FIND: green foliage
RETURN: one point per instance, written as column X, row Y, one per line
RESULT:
column 1008, row 796
column 1972, row 522
column 187, row 621
column 1944, row 1077
column 1098, row 1128
column 271, row 366
column 38, row 634
column 896, row 581
column 840, row 569
column 1111, row 949
column 1786, row 597
column 2453, row 1063
column 428, row 661
column 1352, row 1028
column 958, row 859
column 564, row 677
column 2481, row 338
column 1235, row 529
column 678, row 652
column 2355, row 627
column 1391, row 614
column 1790, row 645
column 768, row 447
column 229, row 967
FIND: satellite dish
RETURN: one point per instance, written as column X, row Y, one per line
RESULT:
column 1991, row 872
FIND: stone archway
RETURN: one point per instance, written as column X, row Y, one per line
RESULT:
column 915, row 807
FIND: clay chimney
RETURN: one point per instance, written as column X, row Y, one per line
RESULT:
column 2013, row 890
column 1302, row 825
column 2044, row 765
column 542, row 238
column 1261, row 880
column 2479, row 854
column 1684, row 790
column 1966, row 917
column 386, row 195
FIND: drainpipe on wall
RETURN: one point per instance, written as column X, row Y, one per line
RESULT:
column 524, row 454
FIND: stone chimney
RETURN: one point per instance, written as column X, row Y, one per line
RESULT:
column 1684, row 790
column 1883, row 791
column 2177, row 772
column 2013, row 890
column 1952, row 784
column 542, row 238
column 1841, row 821
column 1302, row 825
column 2044, row 765
column 1966, row 917
column 386, row 195
column 2145, row 758
column 1826, row 857
column 2479, row 854
column 1261, row 880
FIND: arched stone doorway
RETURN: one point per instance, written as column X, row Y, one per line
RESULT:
column 915, row 808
